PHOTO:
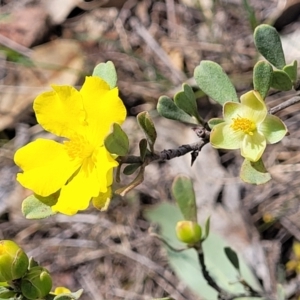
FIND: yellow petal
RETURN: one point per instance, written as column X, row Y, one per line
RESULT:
column 273, row 129
column 61, row 290
column 223, row 137
column 296, row 249
column 103, row 107
column 46, row 166
column 232, row 110
column 77, row 193
column 104, row 164
column 102, row 201
column 254, row 107
column 291, row 265
column 60, row 111
column 253, row 146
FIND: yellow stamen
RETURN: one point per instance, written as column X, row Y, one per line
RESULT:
column 244, row 124
column 79, row 147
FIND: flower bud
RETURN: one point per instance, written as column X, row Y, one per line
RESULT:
column 188, row 232
column 13, row 261
column 37, row 283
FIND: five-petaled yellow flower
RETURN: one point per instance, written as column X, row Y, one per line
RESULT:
column 247, row 126
column 80, row 168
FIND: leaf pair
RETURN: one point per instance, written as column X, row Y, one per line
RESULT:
column 183, row 108
column 268, row 43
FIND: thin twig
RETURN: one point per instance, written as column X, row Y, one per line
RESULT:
column 15, row 46
column 284, row 105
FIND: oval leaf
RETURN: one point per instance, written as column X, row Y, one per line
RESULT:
column 117, row 142
column 262, row 77
column 143, row 148
column 268, row 43
column 186, row 100
column 147, row 125
column 207, row 227
column 233, row 258
column 33, row 208
column 130, row 169
column 183, row 192
column 291, row 70
column 254, row 172
column 168, row 109
column 281, row 81
column 214, row 82
column 107, row 72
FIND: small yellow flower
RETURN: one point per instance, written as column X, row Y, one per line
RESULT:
column 294, row 264
column 80, row 168
column 247, row 126
column 61, row 290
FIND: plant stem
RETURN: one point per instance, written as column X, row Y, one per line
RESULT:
column 284, row 105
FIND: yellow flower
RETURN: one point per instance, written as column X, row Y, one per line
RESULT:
column 61, row 290
column 247, row 126
column 294, row 264
column 80, row 168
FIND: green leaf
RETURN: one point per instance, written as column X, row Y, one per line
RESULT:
column 207, row 227
column 186, row 100
column 183, row 192
column 291, row 70
column 233, row 258
column 281, row 81
column 214, row 121
column 71, row 296
column 186, row 264
column 168, row 109
column 262, row 77
column 6, row 293
column 117, row 142
column 147, row 125
column 268, row 43
column 214, row 82
column 280, row 292
column 34, row 208
column 107, row 72
column 254, row 172
column 130, row 169
column 143, row 148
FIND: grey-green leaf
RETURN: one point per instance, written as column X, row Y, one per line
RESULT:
column 281, row 81
column 107, row 72
column 34, row 208
column 147, row 125
column 183, row 192
column 186, row 100
column 291, row 70
column 254, row 172
column 117, row 142
column 268, row 43
column 262, row 77
column 214, row 82
column 168, row 109
column 280, row 292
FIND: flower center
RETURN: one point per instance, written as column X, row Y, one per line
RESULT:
column 244, row 124
column 79, row 147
